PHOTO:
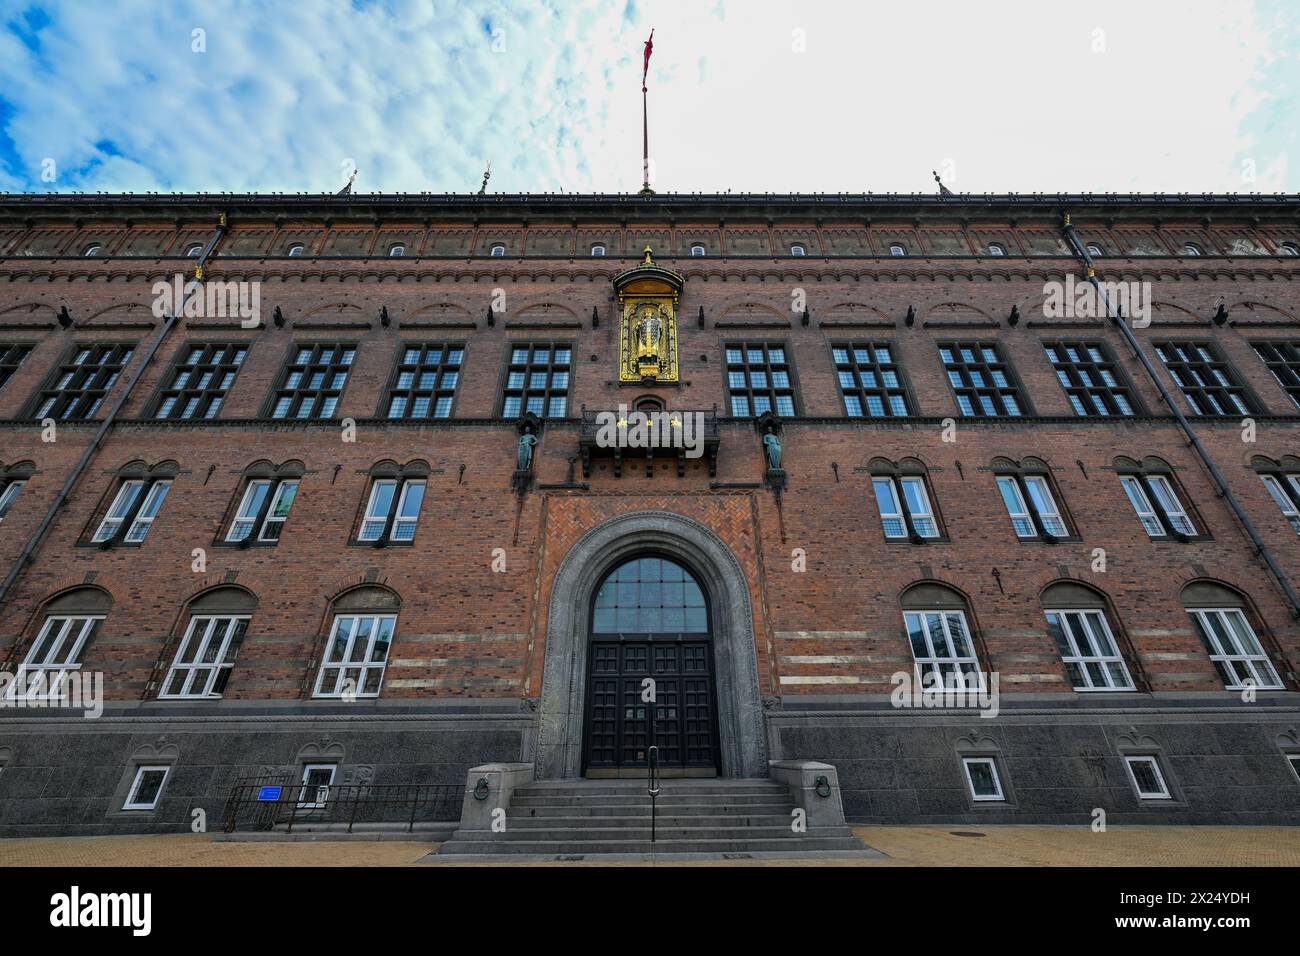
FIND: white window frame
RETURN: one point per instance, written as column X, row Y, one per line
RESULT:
column 923, row 522
column 154, row 493
column 964, row 670
column 8, row 494
column 1163, row 793
column 131, row 802
column 1022, row 520
column 374, row 522
column 1136, row 488
column 319, row 799
column 697, row 249
column 62, row 653
column 148, row 511
column 1091, row 623
column 1191, row 249
column 276, row 488
column 91, row 251
column 897, row 249
column 598, row 249
column 1285, row 501
column 194, row 251
column 1000, row 796
column 218, row 633
column 497, row 251
column 297, row 249
column 1094, row 249
column 997, row 249
column 1293, row 760
column 397, row 250
column 359, row 667
column 117, row 512
column 1290, row 249
column 1264, row 677
column 798, row 249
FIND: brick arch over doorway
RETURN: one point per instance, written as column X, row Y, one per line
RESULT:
column 564, row 677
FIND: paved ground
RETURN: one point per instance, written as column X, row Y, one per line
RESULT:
column 904, row 846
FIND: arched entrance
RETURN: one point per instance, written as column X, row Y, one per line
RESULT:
column 650, row 673
column 561, row 731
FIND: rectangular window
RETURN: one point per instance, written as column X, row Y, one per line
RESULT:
column 205, row 657
column 1157, row 506
column 1147, row 779
column 980, row 380
column 425, row 382
column 1294, row 761
column 1091, row 379
column 78, row 387
column 905, row 507
column 382, row 521
column 355, row 655
column 312, row 382
column 1088, row 649
column 11, row 356
column 982, row 776
column 264, row 508
column 1020, row 495
column 943, row 650
column 317, row 778
column 56, row 653
column 1285, row 490
column 869, row 380
column 759, row 379
column 132, row 512
column 146, row 788
column 197, row 385
column 537, row 380
column 1234, row 648
column 1209, row 384
column 1283, row 360
column 8, row 492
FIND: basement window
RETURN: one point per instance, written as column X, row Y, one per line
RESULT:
column 982, row 778
column 1148, row 781
column 146, row 788
column 317, row 778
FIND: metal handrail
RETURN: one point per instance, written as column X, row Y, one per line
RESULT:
column 652, row 782
column 268, row 804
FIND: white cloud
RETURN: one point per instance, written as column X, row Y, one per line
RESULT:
column 419, row 95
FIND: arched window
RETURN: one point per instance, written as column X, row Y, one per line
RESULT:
column 68, row 625
column 649, row 404
column 396, row 250
column 498, row 250
column 1220, row 617
column 91, row 250
column 1094, row 250
column 193, row 251
column 297, row 249
column 214, row 631
column 935, row 619
column 798, row 249
column 598, row 249
column 1081, row 628
column 1191, row 249
column 697, row 250
column 356, row 651
column 1290, row 249
column 649, row 595
column 903, row 499
column 392, row 510
column 996, row 249
column 897, row 249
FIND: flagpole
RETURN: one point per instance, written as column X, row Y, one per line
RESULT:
column 645, row 144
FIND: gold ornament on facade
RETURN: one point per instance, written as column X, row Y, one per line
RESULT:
column 647, row 296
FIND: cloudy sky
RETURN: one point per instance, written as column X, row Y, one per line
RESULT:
column 746, row 95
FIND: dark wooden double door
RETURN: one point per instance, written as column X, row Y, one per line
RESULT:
column 681, row 722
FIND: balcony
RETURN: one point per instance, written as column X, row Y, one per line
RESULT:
column 645, row 436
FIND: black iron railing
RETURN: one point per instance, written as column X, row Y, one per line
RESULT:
column 262, row 805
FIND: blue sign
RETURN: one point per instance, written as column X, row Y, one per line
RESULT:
column 269, row 793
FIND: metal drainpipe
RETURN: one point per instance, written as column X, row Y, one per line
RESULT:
column 168, row 322
column 1224, row 491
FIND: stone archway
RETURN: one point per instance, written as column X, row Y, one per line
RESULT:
column 564, row 678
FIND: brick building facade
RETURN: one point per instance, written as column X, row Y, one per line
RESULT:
column 950, row 498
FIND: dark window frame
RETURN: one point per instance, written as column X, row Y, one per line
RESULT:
column 862, row 392
column 121, row 352
column 972, row 392
column 205, row 396
column 421, row 367
column 528, row 368
column 1290, row 365
column 1237, row 384
column 12, row 356
column 1080, row 391
column 295, row 393
column 771, row 392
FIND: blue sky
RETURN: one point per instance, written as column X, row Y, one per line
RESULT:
column 746, row 95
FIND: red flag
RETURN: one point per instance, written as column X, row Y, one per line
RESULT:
column 649, row 48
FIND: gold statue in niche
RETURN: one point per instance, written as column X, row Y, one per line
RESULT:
column 648, row 325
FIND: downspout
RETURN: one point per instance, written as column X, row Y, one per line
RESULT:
column 1225, row 492
column 109, row 419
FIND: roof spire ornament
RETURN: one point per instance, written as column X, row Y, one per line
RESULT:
column 943, row 190
column 487, row 174
column 347, row 188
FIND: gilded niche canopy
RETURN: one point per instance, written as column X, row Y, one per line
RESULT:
column 647, row 300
